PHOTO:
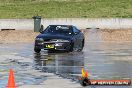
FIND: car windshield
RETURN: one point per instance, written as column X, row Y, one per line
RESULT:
column 58, row 29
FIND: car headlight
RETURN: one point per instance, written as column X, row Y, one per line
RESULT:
column 39, row 39
column 59, row 40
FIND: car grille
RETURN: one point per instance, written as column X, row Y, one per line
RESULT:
column 45, row 40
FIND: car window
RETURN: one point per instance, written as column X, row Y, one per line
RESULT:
column 56, row 29
column 75, row 30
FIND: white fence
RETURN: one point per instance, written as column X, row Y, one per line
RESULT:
column 82, row 23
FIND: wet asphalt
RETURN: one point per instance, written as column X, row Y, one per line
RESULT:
column 103, row 60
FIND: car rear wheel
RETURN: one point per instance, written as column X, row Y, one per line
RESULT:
column 81, row 47
column 71, row 47
column 37, row 50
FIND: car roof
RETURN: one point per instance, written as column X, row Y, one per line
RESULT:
column 60, row 25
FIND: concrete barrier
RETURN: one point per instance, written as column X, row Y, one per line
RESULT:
column 82, row 23
column 16, row 24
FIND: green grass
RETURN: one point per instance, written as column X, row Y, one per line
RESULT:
column 66, row 9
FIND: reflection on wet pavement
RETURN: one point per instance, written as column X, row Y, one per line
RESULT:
column 103, row 60
column 64, row 64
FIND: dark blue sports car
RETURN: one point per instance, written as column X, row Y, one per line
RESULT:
column 59, row 37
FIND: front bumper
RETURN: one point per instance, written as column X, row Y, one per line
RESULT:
column 53, row 45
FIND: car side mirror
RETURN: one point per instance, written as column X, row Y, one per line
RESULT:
column 41, row 29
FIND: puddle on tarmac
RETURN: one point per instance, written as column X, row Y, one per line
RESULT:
column 67, row 65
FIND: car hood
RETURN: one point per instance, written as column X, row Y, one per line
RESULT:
column 54, row 36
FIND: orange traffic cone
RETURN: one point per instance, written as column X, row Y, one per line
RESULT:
column 11, row 81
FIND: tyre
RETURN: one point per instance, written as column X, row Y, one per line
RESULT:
column 81, row 47
column 83, row 43
column 37, row 50
column 71, row 47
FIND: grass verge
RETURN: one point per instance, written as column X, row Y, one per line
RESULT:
column 66, row 8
